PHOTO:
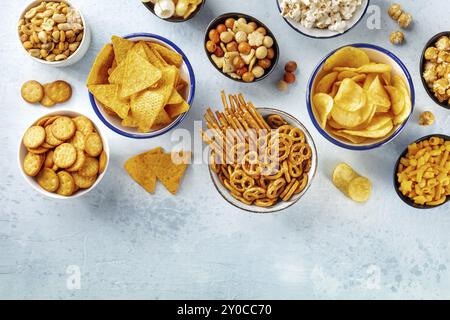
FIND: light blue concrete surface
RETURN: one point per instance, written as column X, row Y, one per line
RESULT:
column 128, row 244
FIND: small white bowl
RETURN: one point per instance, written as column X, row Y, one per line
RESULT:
column 74, row 57
column 377, row 54
column 317, row 33
column 282, row 205
column 114, row 123
column 32, row 180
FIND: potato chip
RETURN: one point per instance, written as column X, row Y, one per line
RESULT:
column 323, row 104
column 360, row 189
column 406, row 112
column 387, row 77
column 174, row 110
column 326, row 83
column 346, row 74
column 350, row 183
column 397, row 98
column 350, row 119
column 378, row 96
column 140, row 170
column 343, row 174
column 378, row 122
column 368, row 82
column 121, row 47
column 108, row 94
column 347, row 57
column 375, row 68
column 374, row 134
column 350, row 97
column 99, row 70
column 350, row 138
column 170, row 56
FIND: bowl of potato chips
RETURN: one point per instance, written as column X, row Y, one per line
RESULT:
column 421, row 174
column 360, row 97
column 141, row 85
column 63, row 155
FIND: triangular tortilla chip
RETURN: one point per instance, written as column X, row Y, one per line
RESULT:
column 121, row 47
column 167, row 82
column 145, row 108
column 108, row 94
column 139, row 75
column 170, row 56
column 174, row 110
column 138, row 169
column 116, row 76
column 99, row 70
column 162, row 119
column 169, row 168
column 175, row 98
column 154, row 58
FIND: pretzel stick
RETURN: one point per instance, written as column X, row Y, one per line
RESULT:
column 251, row 108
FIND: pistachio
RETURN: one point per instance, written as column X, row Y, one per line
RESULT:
column 35, row 53
column 50, row 58
column 60, row 57
column 42, row 36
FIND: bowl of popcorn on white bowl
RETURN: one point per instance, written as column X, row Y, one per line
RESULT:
column 53, row 33
column 322, row 19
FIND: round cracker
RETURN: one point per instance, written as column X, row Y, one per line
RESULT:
column 59, row 91
column 82, row 181
column 63, row 128
column 78, row 140
column 34, row 137
column 50, row 138
column 48, row 163
column 65, row 155
column 83, row 124
column 32, row 163
column 41, row 121
column 66, row 184
column 93, row 144
column 50, row 120
column 38, row 150
column 90, row 167
column 32, row 91
column 102, row 162
column 46, row 101
column 48, row 180
column 81, row 157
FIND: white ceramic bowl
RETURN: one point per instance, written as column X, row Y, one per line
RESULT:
column 186, row 72
column 376, row 54
column 32, row 180
column 74, row 57
column 282, row 205
column 317, row 33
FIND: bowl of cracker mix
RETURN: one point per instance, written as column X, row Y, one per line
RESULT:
column 422, row 172
column 63, row 155
column 53, row 33
column 360, row 97
column 141, row 85
column 322, row 19
column 174, row 10
column 262, row 160
column 435, row 69
column 241, row 47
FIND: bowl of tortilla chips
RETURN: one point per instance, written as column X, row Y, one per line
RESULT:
column 141, row 85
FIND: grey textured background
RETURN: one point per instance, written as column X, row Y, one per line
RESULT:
column 128, row 244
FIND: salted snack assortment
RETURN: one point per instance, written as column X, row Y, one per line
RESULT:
column 48, row 95
column 424, row 172
column 241, row 49
column 352, row 184
column 148, row 167
column 181, row 9
column 51, row 31
column 359, row 100
column 322, row 14
column 65, row 154
column 266, row 161
column 139, row 82
column 437, row 69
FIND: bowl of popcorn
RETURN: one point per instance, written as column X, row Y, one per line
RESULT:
column 322, row 19
column 174, row 10
column 53, row 33
column 241, row 47
column 435, row 68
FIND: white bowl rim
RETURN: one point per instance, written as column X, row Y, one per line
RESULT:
column 81, row 192
column 274, row 209
column 174, row 123
column 356, row 147
column 71, row 57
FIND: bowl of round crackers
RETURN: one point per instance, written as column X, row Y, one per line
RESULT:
column 141, row 85
column 63, row 155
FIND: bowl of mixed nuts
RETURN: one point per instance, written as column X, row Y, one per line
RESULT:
column 435, row 69
column 53, row 33
column 241, row 47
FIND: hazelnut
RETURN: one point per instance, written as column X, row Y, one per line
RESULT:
column 261, row 52
column 291, row 66
column 214, row 36
column 211, row 46
column 282, row 85
column 229, row 23
column 221, row 28
column 289, row 77
column 264, row 63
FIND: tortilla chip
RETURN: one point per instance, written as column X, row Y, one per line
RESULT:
column 174, row 110
column 166, row 83
column 116, row 76
column 175, row 98
column 108, row 94
column 168, row 172
column 141, row 172
column 163, row 119
column 139, row 75
column 99, row 70
column 170, row 56
column 145, row 108
column 121, row 47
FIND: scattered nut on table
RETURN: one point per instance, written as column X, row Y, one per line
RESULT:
column 51, row 31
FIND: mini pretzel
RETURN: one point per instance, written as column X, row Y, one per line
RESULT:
column 232, row 189
column 275, row 121
column 286, row 129
column 241, row 199
column 265, row 203
column 295, row 170
column 290, row 191
column 254, row 193
column 275, row 188
column 303, row 184
column 297, row 135
column 285, row 168
column 299, row 152
column 279, row 147
column 240, row 181
column 251, row 164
